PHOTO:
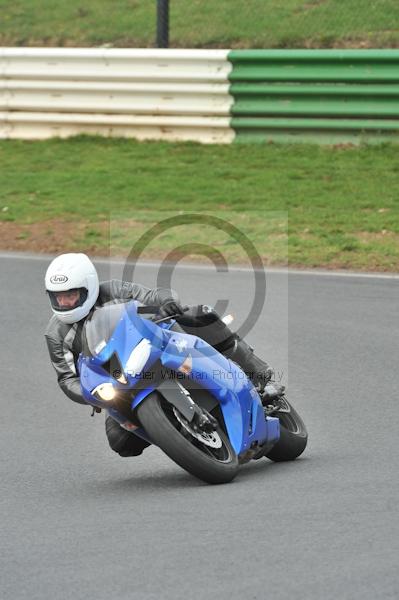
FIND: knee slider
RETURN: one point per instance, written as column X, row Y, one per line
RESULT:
column 117, row 436
column 121, row 441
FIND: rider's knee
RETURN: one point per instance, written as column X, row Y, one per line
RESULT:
column 123, row 442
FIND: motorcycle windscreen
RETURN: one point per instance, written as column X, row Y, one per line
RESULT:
column 100, row 326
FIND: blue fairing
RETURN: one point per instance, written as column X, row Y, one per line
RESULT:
column 239, row 402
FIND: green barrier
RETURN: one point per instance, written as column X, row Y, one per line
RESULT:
column 315, row 91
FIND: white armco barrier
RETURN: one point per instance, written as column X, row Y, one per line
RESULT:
column 146, row 94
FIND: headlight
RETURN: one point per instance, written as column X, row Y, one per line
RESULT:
column 105, row 392
column 138, row 358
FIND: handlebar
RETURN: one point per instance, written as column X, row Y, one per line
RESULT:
column 146, row 310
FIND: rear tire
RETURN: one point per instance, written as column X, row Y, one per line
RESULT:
column 168, row 429
column 293, row 434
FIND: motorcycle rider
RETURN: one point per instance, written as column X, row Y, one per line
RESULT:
column 73, row 289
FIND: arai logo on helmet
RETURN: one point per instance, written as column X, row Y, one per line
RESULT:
column 58, row 279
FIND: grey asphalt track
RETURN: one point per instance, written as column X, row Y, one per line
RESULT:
column 78, row 521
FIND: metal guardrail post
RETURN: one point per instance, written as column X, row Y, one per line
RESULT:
column 162, row 23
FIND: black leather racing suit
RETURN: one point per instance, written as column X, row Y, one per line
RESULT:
column 64, row 344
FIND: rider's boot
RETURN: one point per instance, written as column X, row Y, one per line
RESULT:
column 258, row 371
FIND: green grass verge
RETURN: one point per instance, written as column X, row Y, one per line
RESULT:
column 341, row 205
column 202, row 23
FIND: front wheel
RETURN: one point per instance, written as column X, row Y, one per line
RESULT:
column 208, row 456
column 293, row 434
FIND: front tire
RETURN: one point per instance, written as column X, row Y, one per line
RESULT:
column 293, row 434
column 213, row 462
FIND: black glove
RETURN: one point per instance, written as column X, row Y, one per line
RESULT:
column 170, row 308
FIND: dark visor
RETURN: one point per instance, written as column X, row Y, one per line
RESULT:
column 79, row 302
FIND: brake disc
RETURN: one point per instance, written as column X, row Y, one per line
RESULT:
column 212, row 439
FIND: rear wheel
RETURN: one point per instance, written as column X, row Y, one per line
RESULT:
column 293, row 434
column 208, row 456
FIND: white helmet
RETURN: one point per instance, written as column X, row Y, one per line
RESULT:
column 72, row 273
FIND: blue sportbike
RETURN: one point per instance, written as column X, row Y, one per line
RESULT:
column 176, row 391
